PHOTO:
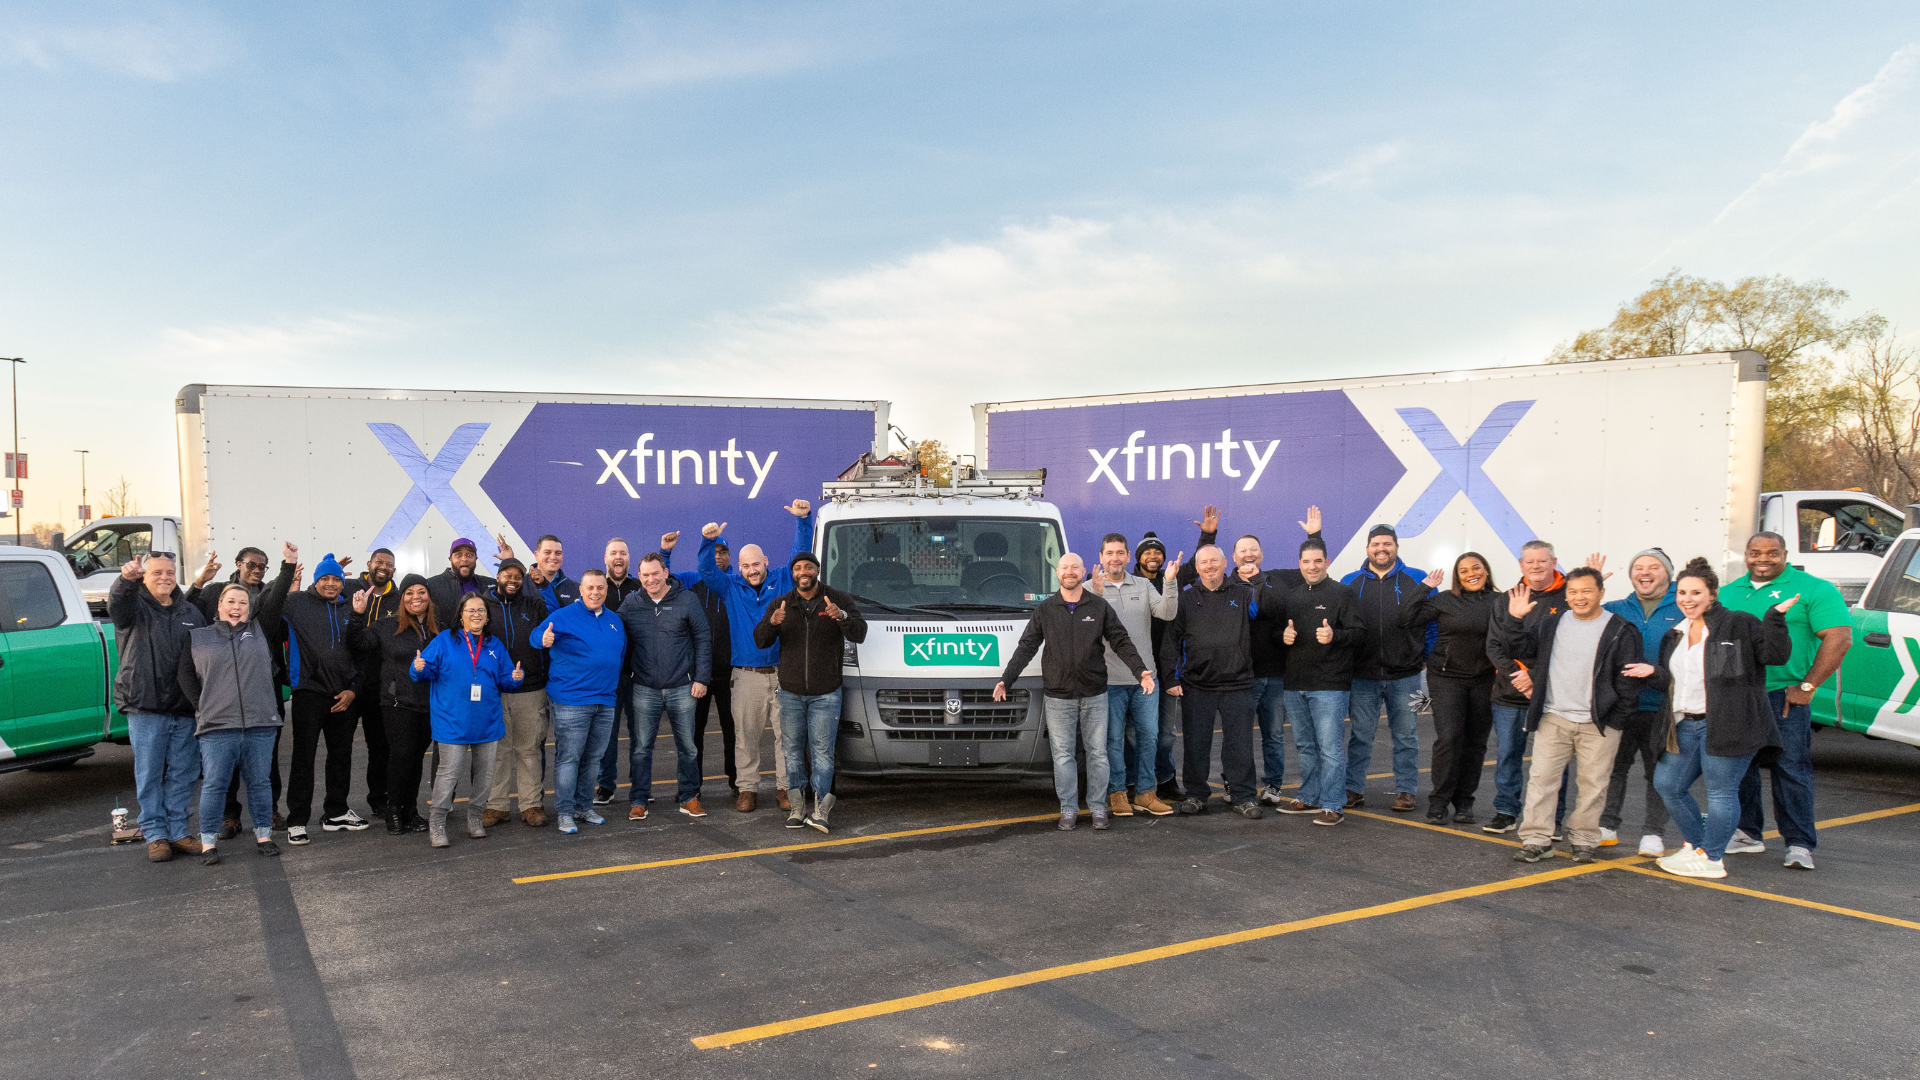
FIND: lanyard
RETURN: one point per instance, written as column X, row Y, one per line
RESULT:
column 473, row 649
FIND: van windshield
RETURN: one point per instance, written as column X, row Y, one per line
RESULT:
column 945, row 561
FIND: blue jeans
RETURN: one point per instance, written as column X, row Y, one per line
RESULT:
column 646, row 707
column 1510, row 768
column 1075, row 724
column 1163, row 770
column 1270, row 711
column 250, row 751
column 1130, row 707
column 1318, row 717
column 1673, row 777
column 166, row 774
column 609, row 772
column 1402, row 723
column 580, row 735
column 1792, row 779
column 809, row 722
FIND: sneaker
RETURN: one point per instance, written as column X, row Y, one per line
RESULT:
column 1559, row 833
column 1356, row 799
column 347, row 822
column 1691, row 862
column 592, row 817
column 1169, row 792
column 1653, row 845
column 1249, row 810
column 1798, row 858
column 1295, row 806
column 1068, row 820
column 1402, row 802
column 1533, row 853
column 1678, row 858
column 1583, row 853
column 1118, row 806
column 1501, row 823
column 637, row 812
column 601, row 796
column 1329, row 817
column 1272, row 796
column 1464, row 817
column 1102, row 818
column 567, row 827
column 1189, row 806
column 823, row 806
column 692, row 808
column 267, row 848
column 1609, row 837
column 1437, row 817
column 297, row 835
column 1742, row 844
column 1149, row 802
column 797, row 814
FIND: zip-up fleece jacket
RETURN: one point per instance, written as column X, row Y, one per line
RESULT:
column 396, row 648
column 714, row 605
column 445, row 590
column 1548, row 602
column 561, row 591
column 456, row 716
column 746, row 605
column 1614, row 695
column 588, row 654
column 227, row 672
column 1311, row 665
column 151, row 636
column 382, row 603
column 808, row 640
column 320, row 636
column 1138, row 602
column 1652, row 628
column 1391, row 651
column 1460, row 647
column 1074, row 664
column 1212, row 633
column 668, row 641
column 512, row 619
column 1738, row 651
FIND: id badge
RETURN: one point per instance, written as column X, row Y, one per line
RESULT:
column 475, row 695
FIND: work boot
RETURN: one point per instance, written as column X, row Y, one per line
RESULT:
column 637, row 812
column 534, row 816
column 437, row 830
column 692, row 808
column 744, row 802
column 821, row 808
column 1148, row 802
column 229, row 828
column 1356, row 799
column 186, row 845
column 780, row 796
column 797, row 813
column 1403, row 802
column 396, row 824
column 159, row 851
column 494, row 817
column 1118, row 806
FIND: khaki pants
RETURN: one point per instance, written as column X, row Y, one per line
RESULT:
column 1558, row 741
column 755, row 708
column 522, row 751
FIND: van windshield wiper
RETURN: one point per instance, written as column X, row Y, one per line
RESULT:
column 972, row 607
column 895, row 608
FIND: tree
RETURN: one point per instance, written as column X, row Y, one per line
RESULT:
column 118, row 500
column 1881, row 421
column 1796, row 325
column 43, row 532
column 933, row 457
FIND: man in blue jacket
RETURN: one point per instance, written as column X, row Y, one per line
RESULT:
column 1652, row 610
column 1386, row 669
column 746, row 591
column 670, row 663
column 586, row 647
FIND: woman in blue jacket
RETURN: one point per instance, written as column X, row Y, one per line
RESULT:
column 468, row 668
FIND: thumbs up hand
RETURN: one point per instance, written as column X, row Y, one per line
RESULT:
column 1289, row 633
column 546, row 639
column 518, row 674
column 779, row 614
column 419, row 662
column 1324, row 635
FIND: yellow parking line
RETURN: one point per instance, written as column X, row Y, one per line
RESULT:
column 1163, row 952
column 750, row 852
column 1892, row 811
column 1476, row 835
column 1795, row 901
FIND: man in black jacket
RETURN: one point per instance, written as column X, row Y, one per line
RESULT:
column 320, row 625
column 151, row 623
column 719, row 699
column 1513, row 685
column 812, row 623
column 382, row 599
column 512, row 613
column 1582, row 698
column 669, row 667
column 1212, row 635
column 449, row 587
column 1386, row 669
column 1322, row 631
column 1076, row 625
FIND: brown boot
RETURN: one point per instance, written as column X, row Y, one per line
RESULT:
column 1356, row 799
column 494, row 817
column 692, row 808
column 534, row 816
column 186, row 845
column 1149, row 802
column 637, row 812
column 1118, row 806
column 1403, row 802
column 744, row 802
column 780, row 796
column 159, row 851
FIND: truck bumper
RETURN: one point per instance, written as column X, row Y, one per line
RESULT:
column 940, row 728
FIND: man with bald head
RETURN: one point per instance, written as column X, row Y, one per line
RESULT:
column 1076, row 626
column 746, row 590
column 151, row 619
column 1212, row 636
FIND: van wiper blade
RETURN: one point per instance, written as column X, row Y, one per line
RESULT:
column 973, row 607
column 895, row 608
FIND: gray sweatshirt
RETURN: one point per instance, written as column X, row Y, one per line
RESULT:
column 228, row 672
column 1137, row 603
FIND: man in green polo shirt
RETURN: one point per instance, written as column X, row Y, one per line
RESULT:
column 1821, row 626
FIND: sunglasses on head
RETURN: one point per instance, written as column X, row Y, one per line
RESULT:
column 168, row 555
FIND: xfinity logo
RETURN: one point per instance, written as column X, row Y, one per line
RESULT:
column 951, row 650
column 1163, row 459
column 691, row 464
column 432, row 483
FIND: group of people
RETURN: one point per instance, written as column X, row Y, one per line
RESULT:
column 1688, row 678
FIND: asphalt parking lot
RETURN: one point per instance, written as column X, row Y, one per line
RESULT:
column 951, row 930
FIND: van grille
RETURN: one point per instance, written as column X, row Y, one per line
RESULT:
column 949, row 735
column 927, row 707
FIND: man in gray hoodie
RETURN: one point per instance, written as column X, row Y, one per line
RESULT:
column 1131, row 707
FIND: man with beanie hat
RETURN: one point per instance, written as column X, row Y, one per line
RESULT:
column 811, row 623
column 320, row 623
column 512, row 614
column 448, row 587
column 1150, row 563
column 1653, row 611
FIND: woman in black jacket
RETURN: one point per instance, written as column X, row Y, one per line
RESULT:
column 1713, row 671
column 1459, row 681
column 403, row 702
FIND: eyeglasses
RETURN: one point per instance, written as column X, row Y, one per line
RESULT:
column 250, row 564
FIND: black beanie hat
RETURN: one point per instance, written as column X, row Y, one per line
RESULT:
column 802, row 556
column 411, row 580
column 1148, row 541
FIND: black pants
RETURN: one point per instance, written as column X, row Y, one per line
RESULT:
column 1636, row 741
column 1235, row 710
column 407, row 733
column 1462, row 720
column 719, row 696
column 233, row 789
column 374, row 726
column 312, row 718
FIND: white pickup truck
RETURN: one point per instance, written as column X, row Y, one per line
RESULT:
column 97, row 552
column 1839, row 536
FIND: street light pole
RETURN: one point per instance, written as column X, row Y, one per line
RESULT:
column 83, row 485
column 16, row 362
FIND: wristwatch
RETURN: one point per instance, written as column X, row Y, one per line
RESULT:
column 1806, row 688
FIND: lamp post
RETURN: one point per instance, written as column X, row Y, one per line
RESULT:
column 85, row 514
column 16, row 362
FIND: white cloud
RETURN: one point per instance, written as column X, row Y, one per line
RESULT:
column 1362, row 168
column 165, row 51
column 268, row 343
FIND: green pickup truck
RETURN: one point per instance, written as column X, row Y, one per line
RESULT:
column 1877, row 691
column 56, row 665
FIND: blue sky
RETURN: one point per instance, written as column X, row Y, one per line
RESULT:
column 935, row 205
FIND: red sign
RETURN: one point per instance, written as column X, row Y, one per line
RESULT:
column 86, row 512
column 19, row 498
column 16, row 466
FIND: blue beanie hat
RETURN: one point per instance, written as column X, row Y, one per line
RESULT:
column 329, row 567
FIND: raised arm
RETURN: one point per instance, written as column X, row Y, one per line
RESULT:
column 710, row 572
column 274, row 600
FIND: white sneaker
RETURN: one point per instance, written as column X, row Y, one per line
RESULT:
column 347, row 822
column 297, row 835
column 1742, row 844
column 567, row 827
column 1609, row 837
column 1653, row 844
column 1702, row 867
column 1672, row 863
column 1798, row 858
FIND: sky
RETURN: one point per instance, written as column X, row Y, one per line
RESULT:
column 933, row 205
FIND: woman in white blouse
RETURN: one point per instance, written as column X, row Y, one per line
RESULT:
column 1713, row 670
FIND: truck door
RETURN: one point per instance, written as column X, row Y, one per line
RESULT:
column 53, row 663
column 1880, row 678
